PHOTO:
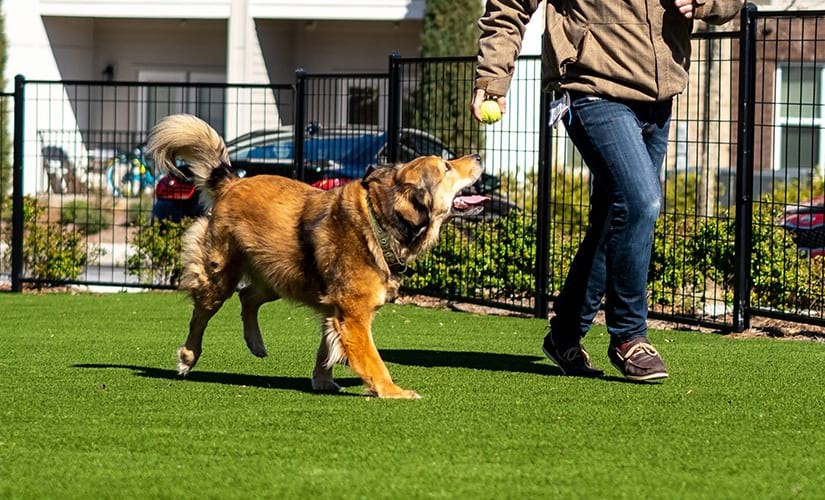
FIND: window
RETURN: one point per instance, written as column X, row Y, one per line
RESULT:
column 363, row 106
column 360, row 103
column 799, row 119
column 158, row 101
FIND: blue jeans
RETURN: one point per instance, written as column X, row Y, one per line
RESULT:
column 623, row 144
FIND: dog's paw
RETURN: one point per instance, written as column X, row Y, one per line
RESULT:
column 325, row 385
column 183, row 370
column 398, row 393
column 258, row 350
column 186, row 360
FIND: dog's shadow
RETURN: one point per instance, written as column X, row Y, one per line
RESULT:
column 300, row 384
column 498, row 362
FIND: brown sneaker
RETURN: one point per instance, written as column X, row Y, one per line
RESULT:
column 637, row 360
column 571, row 358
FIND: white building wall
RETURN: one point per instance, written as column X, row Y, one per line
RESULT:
column 368, row 10
column 155, row 9
column 29, row 53
column 513, row 143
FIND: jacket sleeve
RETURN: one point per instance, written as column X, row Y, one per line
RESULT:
column 717, row 11
column 502, row 31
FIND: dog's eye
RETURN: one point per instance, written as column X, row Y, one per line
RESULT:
column 447, row 166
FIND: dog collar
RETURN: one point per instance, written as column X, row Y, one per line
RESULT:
column 396, row 265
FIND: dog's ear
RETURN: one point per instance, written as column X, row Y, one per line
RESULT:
column 413, row 205
column 378, row 173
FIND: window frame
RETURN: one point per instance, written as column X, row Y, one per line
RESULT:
column 780, row 122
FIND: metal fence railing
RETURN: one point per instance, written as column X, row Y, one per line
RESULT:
column 742, row 219
column 788, row 184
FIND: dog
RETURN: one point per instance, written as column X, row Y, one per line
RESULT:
column 341, row 252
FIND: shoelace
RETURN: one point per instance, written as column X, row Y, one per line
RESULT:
column 574, row 353
column 644, row 347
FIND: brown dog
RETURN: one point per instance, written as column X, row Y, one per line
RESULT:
column 339, row 251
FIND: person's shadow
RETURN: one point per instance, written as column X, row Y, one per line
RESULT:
column 497, row 362
column 514, row 363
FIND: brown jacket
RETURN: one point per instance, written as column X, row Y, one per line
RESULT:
column 630, row 49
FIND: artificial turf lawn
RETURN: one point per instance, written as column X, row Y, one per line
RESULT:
column 90, row 408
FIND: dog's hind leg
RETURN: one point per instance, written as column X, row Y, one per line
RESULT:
column 189, row 353
column 330, row 351
column 252, row 298
column 210, row 276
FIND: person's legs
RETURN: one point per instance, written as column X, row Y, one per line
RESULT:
column 623, row 144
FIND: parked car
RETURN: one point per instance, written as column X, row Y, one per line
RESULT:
column 806, row 223
column 332, row 157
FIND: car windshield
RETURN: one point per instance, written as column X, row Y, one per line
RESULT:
column 350, row 150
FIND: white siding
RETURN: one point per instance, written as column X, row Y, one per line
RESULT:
column 175, row 9
column 337, row 9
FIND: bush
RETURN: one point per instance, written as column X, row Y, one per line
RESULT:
column 689, row 256
column 489, row 259
column 87, row 219
column 138, row 209
column 50, row 251
column 157, row 251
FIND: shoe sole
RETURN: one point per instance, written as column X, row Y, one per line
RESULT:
column 650, row 377
column 552, row 358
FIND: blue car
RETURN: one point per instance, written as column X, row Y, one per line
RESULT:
column 332, row 157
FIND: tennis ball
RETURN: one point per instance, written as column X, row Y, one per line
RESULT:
column 490, row 111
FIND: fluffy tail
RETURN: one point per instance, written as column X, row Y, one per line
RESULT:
column 192, row 140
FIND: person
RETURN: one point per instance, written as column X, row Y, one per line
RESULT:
column 617, row 65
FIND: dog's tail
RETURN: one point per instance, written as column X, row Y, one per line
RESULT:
column 192, row 140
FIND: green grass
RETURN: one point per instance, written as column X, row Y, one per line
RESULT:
column 90, row 408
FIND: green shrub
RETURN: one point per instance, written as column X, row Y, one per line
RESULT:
column 87, row 219
column 157, row 251
column 689, row 256
column 51, row 251
column 781, row 278
column 570, row 201
column 489, row 259
column 138, row 209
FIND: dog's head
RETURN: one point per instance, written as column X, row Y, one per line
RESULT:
column 417, row 197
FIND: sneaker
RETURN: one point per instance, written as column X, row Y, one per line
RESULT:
column 571, row 358
column 637, row 360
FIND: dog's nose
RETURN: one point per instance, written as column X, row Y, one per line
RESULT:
column 476, row 157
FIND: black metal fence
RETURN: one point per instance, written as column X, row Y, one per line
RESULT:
column 741, row 178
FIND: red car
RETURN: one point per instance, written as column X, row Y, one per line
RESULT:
column 806, row 222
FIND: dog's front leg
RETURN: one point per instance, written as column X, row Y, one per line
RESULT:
column 363, row 357
column 330, row 352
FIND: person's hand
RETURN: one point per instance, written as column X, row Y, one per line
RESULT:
column 479, row 97
column 685, row 7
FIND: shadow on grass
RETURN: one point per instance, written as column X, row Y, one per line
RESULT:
column 489, row 361
column 514, row 363
column 301, row 384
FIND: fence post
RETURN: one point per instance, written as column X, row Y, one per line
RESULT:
column 17, row 185
column 542, row 266
column 394, row 108
column 299, row 127
column 744, row 170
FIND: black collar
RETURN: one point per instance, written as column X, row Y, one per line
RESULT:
column 396, row 265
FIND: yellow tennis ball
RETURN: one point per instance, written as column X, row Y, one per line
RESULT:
column 490, row 111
